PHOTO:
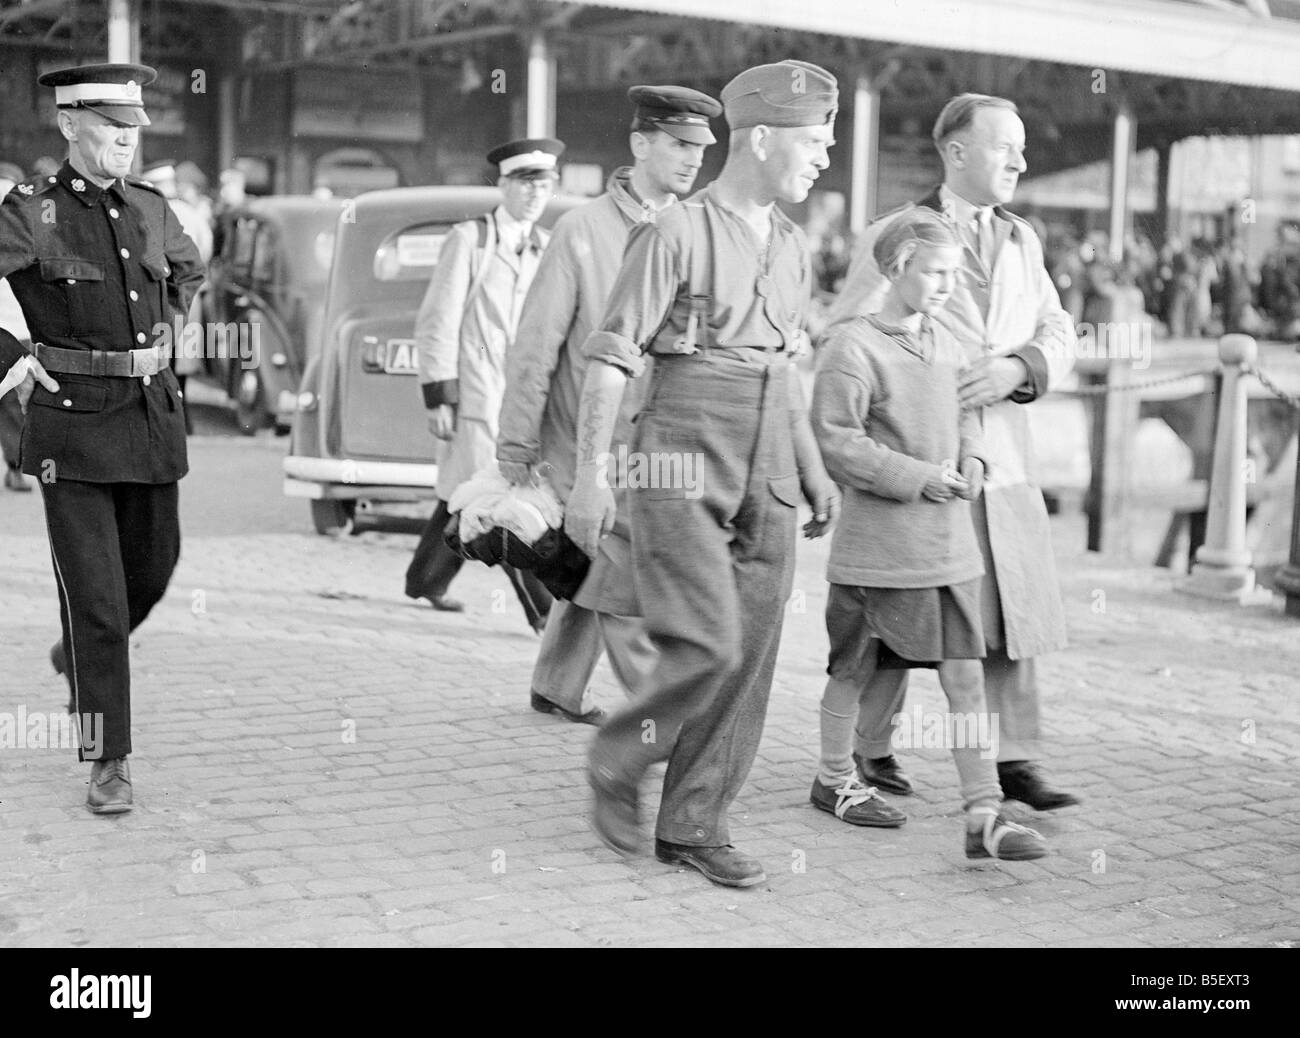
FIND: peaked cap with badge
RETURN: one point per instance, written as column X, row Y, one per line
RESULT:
column 527, row 157
column 680, row 111
column 113, row 90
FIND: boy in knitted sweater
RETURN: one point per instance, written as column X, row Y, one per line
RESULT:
column 905, row 568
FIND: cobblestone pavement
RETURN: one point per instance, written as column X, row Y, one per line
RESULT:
column 319, row 761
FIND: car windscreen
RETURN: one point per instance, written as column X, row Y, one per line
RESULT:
column 411, row 253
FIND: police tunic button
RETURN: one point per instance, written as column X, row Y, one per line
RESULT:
column 139, row 336
column 67, row 403
column 126, row 253
column 134, row 295
column 113, row 213
column 53, row 179
column 146, row 380
column 72, row 281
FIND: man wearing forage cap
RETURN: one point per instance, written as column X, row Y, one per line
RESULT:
column 464, row 329
column 101, row 268
column 544, row 373
column 717, row 290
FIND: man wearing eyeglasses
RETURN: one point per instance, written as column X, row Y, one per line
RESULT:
column 465, row 326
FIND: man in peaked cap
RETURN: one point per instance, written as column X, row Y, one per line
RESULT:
column 718, row 290
column 101, row 268
column 464, row 330
column 544, row 372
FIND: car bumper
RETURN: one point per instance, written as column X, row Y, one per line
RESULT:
column 346, row 478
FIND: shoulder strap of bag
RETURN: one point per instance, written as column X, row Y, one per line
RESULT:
column 487, row 248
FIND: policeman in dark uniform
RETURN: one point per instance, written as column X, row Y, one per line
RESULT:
column 100, row 266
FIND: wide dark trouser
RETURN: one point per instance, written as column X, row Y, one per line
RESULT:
column 114, row 547
column 713, row 563
column 435, row 565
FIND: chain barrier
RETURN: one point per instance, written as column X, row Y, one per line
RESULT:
column 1290, row 399
column 1124, row 387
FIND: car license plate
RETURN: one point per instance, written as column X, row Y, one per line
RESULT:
column 401, row 357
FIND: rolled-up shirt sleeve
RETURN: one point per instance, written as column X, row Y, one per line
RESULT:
column 640, row 302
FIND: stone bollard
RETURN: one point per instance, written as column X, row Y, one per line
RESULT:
column 1287, row 579
column 1222, row 569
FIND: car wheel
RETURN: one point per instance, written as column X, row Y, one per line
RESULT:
column 249, row 411
column 332, row 517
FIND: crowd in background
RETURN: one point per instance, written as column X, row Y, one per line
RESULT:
column 1192, row 288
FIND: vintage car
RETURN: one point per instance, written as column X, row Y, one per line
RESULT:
column 263, row 303
column 360, row 436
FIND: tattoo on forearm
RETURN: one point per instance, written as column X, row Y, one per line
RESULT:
column 594, row 412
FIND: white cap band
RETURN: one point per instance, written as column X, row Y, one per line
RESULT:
column 107, row 93
column 533, row 159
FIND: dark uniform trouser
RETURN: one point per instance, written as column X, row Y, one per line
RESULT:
column 1010, row 686
column 114, row 547
column 435, row 565
column 11, row 429
column 712, row 573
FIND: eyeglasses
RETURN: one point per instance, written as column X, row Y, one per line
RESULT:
column 540, row 184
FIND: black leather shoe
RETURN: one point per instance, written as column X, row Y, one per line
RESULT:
column 446, row 605
column 543, row 705
column 615, row 811
column 15, row 480
column 885, row 774
column 724, row 866
column 1021, row 780
column 110, row 787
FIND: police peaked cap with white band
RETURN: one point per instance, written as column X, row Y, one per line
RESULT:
column 112, row 90
column 527, row 156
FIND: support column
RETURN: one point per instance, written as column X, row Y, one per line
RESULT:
column 1120, row 165
column 864, row 173
column 1164, row 152
column 227, row 103
column 123, row 31
column 540, row 121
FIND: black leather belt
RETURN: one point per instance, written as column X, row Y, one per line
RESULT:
column 116, row 363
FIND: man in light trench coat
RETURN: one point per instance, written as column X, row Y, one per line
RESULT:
column 1019, row 343
column 464, row 330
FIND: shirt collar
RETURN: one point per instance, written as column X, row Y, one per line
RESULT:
column 782, row 225
column 512, row 231
column 633, row 207
column 963, row 212
column 84, row 188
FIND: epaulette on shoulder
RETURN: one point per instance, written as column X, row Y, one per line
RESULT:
column 32, row 187
column 147, row 185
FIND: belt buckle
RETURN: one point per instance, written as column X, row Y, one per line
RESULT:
column 145, row 362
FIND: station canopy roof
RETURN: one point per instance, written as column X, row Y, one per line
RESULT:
column 1254, row 43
